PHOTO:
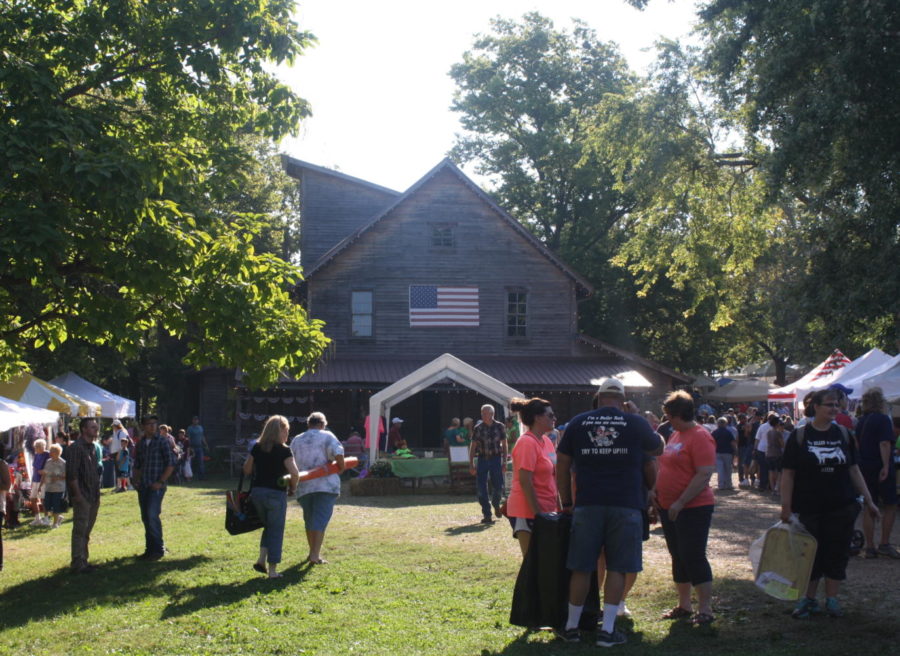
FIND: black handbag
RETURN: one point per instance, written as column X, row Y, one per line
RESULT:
column 240, row 513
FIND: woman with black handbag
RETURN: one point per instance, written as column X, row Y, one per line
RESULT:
column 269, row 462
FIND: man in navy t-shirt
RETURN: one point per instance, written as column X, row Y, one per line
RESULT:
column 605, row 449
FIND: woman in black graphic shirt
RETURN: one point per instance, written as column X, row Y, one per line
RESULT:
column 820, row 482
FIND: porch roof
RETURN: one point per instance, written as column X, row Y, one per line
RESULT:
column 529, row 374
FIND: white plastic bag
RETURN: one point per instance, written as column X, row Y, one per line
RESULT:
column 782, row 560
column 186, row 470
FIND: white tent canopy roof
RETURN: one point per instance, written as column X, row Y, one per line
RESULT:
column 29, row 389
column 820, row 376
column 887, row 377
column 750, row 389
column 442, row 367
column 111, row 404
column 14, row 413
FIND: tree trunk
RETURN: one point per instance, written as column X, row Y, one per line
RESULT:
column 780, row 371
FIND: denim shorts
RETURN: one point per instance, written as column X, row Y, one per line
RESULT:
column 317, row 509
column 53, row 502
column 618, row 530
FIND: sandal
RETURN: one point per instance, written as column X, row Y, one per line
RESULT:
column 259, row 568
column 702, row 618
column 676, row 613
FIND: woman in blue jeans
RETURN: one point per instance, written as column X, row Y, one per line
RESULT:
column 269, row 462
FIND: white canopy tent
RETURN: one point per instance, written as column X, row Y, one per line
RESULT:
column 821, row 376
column 855, row 379
column 887, row 378
column 111, row 405
column 750, row 389
column 442, row 367
column 14, row 413
column 30, row 389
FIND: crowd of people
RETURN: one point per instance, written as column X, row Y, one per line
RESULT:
column 72, row 471
column 78, row 465
column 615, row 470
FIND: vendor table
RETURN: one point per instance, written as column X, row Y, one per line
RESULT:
column 419, row 468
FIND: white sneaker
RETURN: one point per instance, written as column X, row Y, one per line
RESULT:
column 45, row 521
column 623, row 611
column 744, row 483
column 37, row 522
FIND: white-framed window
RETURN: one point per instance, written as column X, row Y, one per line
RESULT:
column 516, row 313
column 362, row 312
column 443, row 236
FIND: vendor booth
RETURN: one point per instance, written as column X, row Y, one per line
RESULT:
column 112, row 406
column 31, row 390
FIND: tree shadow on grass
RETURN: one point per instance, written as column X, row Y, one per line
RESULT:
column 190, row 600
column 62, row 591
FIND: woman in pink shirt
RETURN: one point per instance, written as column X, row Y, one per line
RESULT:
column 534, row 469
column 685, row 502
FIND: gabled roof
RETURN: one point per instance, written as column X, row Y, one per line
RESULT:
column 582, row 285
column 293, row 168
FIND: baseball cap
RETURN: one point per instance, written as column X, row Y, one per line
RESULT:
column 843, row 389
column 611, row 386
column 396, row 420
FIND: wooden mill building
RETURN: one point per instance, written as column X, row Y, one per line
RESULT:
column 400, row 278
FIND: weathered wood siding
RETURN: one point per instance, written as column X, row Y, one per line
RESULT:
column 334, row 207
column 488, row 254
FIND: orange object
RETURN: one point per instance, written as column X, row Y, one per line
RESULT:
column 330, row 468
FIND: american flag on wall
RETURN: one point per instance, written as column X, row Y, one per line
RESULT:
column 430, row 305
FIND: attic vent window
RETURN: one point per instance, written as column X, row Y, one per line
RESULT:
column 442, row 236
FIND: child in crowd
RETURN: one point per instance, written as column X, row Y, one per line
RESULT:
column 123, row 467
column 54, row 483
column 37, row 488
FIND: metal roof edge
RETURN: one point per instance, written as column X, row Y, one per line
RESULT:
column 634, row 357
column 288, row 162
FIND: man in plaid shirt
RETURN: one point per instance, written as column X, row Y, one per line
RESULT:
column 154, row 463
column 489, row 445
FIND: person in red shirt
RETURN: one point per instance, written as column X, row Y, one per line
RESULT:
column 843, row 417
column 685, row 502
column 534, row 469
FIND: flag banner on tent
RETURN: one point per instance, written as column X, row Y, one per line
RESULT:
column 835, row 361
column 430, row 305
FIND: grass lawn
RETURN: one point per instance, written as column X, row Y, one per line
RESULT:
column 407, row 575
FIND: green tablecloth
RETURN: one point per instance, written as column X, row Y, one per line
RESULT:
column 420, row 467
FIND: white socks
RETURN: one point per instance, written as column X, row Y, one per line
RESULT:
column 609, row 617
column 574, row 616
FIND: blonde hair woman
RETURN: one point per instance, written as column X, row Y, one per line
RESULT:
column 269, row 462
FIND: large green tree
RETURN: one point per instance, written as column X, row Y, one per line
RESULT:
column 702, row 236
column 817, row 83
column 119, row 132
column 523, row 91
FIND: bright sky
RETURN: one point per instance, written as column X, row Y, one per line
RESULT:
column 378, row 78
